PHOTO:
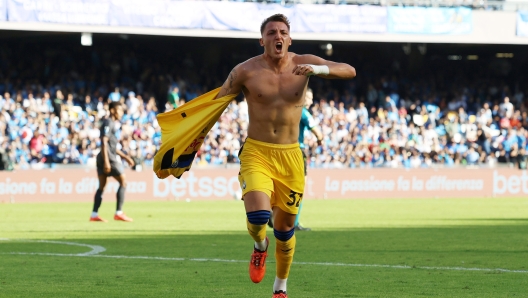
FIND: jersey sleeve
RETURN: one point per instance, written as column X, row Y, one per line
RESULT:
column 307, row 119
column 104, row 129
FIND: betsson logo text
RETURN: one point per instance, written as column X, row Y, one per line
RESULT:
column 192, row 186
column 512, row 184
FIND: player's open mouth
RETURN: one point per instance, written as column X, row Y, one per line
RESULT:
column 278, row 47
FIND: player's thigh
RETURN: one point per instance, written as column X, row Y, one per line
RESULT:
column 102, row 181
column 282, row 220
column 121, row 179
column 257, row 188
column 256, row 200
column 286, row 201
column 288, row 193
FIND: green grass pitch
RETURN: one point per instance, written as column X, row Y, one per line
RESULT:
column 358, row 248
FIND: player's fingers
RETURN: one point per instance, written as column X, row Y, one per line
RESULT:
column 295, row 69
column 300, row 69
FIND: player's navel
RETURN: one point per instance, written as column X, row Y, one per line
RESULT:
column 260, row 95
column 296, row 93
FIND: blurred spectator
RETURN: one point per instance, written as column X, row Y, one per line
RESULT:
column 57, row 104
column 115, row 96
column 132, row 103
column 174, row 97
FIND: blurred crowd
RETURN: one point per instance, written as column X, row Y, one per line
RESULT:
column 414, row 134
column 384, row 130
column 38, row 129
column 383, row 118
column 388, row 131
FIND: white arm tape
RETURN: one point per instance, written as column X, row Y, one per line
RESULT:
column 320, row 69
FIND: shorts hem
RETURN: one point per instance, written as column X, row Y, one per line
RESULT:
column 282, row 207
column 268, row 192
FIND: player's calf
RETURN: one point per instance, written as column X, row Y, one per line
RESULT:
column 256, row 225
column 284, row 250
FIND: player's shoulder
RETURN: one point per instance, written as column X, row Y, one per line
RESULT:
column 304, row 58
column 250, row 67
column 249, row 64
column 242, row 69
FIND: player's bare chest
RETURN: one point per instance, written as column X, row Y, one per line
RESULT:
column 285, row 86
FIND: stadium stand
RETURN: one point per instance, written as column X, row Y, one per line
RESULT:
column 445, row 116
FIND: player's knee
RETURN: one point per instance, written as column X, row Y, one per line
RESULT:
column 282, row 223
column 260, row 217
column 123, row 184
column 284, row 235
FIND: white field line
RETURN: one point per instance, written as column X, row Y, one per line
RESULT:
column 96, row 249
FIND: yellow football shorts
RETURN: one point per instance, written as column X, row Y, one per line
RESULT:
column 275, row 169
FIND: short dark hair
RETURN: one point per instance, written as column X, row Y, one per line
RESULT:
column 279, row 17
column 114, row 105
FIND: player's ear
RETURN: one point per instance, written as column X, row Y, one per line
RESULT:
column 261, row 42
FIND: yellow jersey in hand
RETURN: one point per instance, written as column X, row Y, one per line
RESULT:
column 183, row 131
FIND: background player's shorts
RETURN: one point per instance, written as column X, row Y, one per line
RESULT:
column 116, row 169
column 274, row 169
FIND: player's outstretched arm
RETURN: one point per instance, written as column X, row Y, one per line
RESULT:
column 126, row 157
column 233, row 83
column 318, row 134
column 314, row 65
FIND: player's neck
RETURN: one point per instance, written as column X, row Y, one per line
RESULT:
column 276, row 64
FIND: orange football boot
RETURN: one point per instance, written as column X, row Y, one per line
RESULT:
column 98, row 218
column 122, row 217
column 257, row 265
column 280, row 294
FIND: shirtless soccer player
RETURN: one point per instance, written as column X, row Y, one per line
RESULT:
column 307, row 123
column 271, row 162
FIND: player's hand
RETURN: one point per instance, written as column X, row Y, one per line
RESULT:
column 320, row 142
column 131, row 162
column 303, row 70
column 107, row 169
